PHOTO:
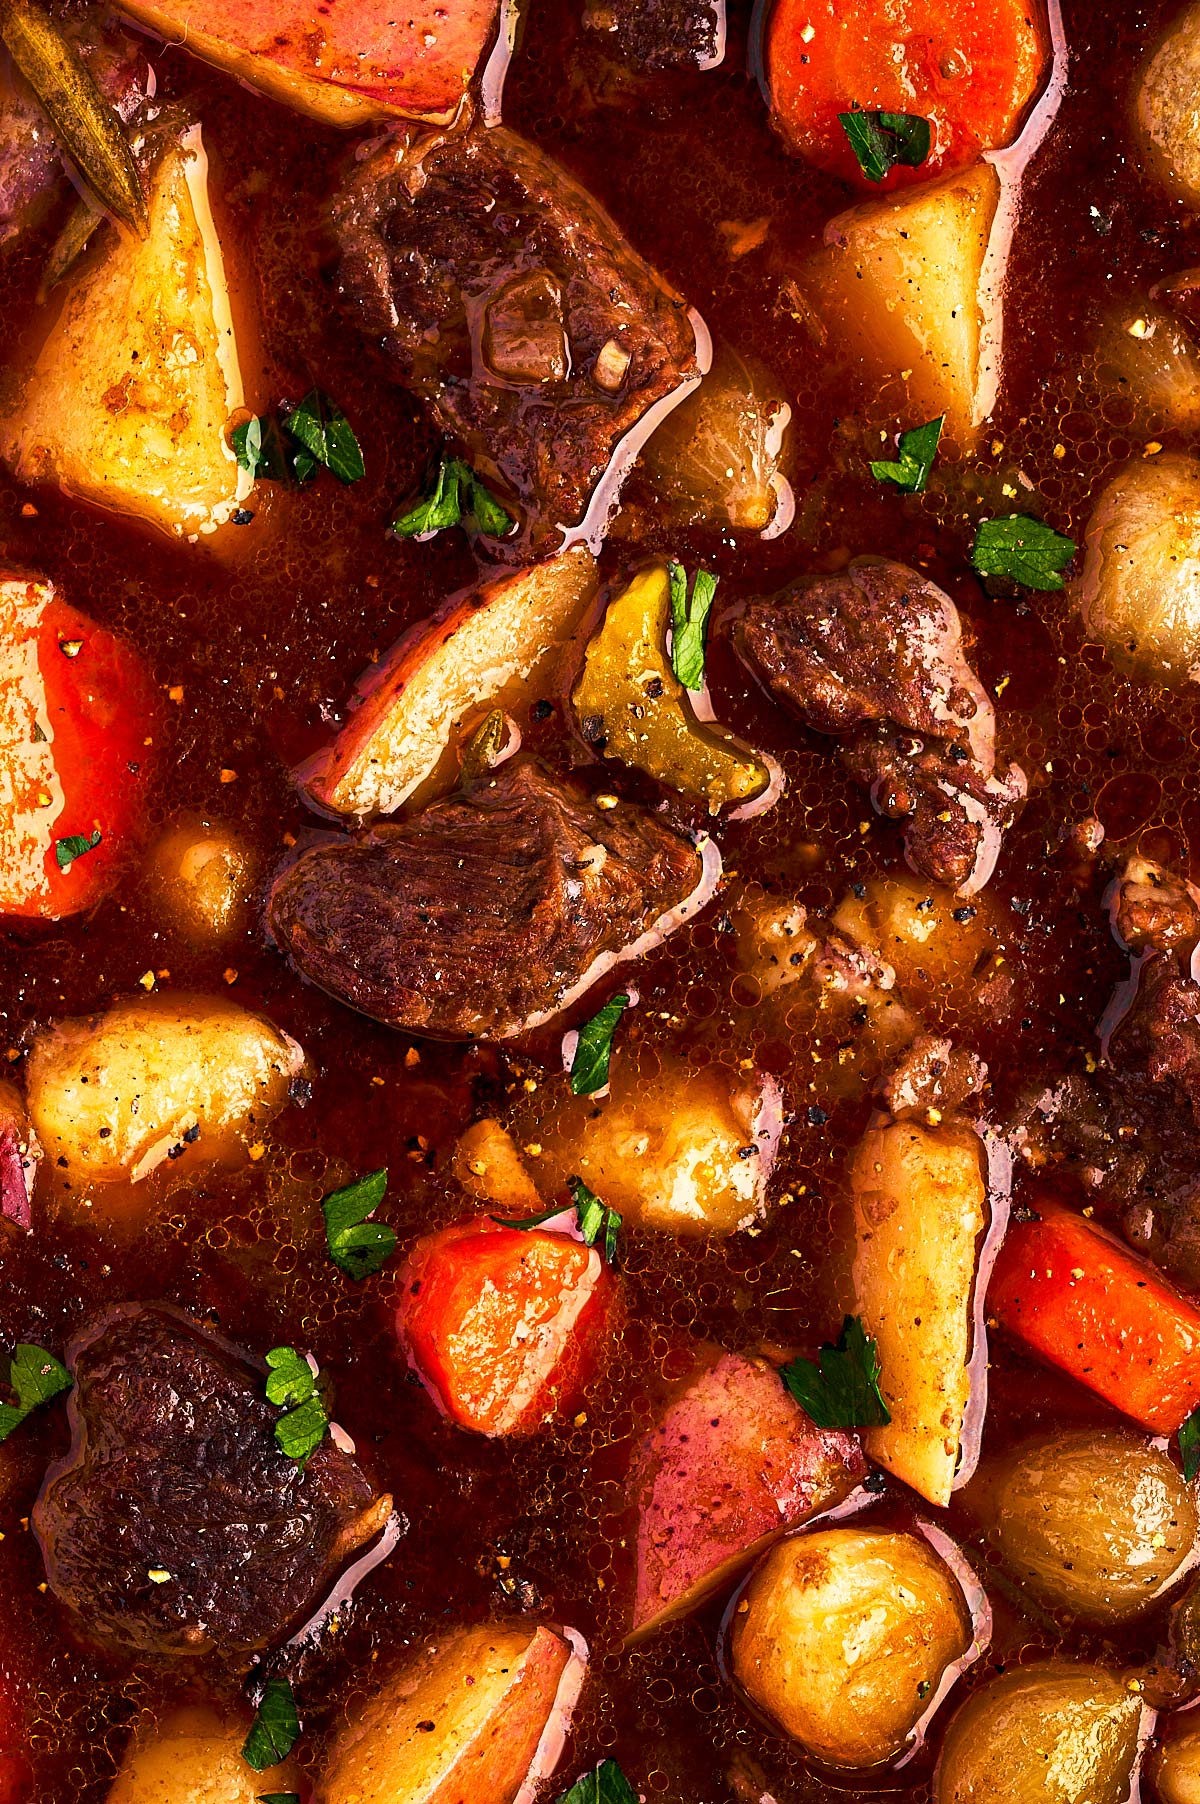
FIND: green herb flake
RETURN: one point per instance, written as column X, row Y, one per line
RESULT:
column 689, row 623
column 842, row 1389
column 589, row 1067
column 881, row 140
column 35, row 1376
column 1189, row 1445
column 916, row 451
column 74, row 846
column 275, row 1730
column 1022, row 548
column 607, row 1785
column 292, row 1386
column 39, row 734
column 320, row 426
column 595, row 1218
column 457, row 495
column 259, row 448
column 278, row 1797
column 359, row 1247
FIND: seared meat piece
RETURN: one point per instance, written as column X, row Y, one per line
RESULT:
column 1157, row 916
column 174, row 1471
column 875, row 655
column 933, row 1074
column 661, row 34
column 1152, row 909
column 504, row 298
column 487, row 913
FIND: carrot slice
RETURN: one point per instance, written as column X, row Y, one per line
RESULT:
column 971, row 67
column 502, row 1323
column 1082, row 1301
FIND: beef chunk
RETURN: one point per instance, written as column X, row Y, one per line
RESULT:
column 174, row 1469
column 932, row 1075
column 1152, row 909
column 661, row 34
column 875, row 655
column 512, row 306
column 1157, row 1036
column 488, row 912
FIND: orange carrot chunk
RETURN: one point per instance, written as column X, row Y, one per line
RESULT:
column 503, row 1323
column 970, row 67
column 1079, row 1299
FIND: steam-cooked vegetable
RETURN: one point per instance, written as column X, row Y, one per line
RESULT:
column 843, row 1634
column 113, row 1096
column 483, row 644
column 203, row 874
column 1099, row 1523
column 20, row 1156
column 1148, row 357
column 920, row 1205
column 899, row 284
column 1165, row 107
column 487, row 1165
column 1175, row 1766
column 194, row 1756
column 630, row 701
column 1140, row 588
column 1046, row 1734
column 717, row 459
column 128, row 400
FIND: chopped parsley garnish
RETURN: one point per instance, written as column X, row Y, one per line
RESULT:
column 291, row 1385
column 458, row 495
column 589, row 1067
column 595, row 1218
column 275, row 1730
column 290, row 449
column 915, row 454
column 881, row 140
column 689, row 623
column 1189, row 1445
column 35, row 1376
column 1025, row 549
column 67, row 850
column 841, row 1390
column 607, row 1785
column 278, row 1797
column 359, row 1247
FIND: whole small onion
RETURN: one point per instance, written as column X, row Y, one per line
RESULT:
column 1047, row 1734
column 1140, row 589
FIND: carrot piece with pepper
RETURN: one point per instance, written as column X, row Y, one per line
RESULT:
column 1079, row 1299
column 970, row 67
column 503, row 1324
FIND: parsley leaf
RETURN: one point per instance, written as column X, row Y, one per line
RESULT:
column 67, row 850
column 589, row 1067
column 881, row 140
column 259, row 448
column 842, row 1389
column 320, row 426
column 36, row 1376
column 607, row 1785
column 279, row 1797
column 917, row 450
column 1189, row 1445
column 595, row 1218
column 458, row 495
column 689, row 623
column 1027, row 550
column 357, row 1246
column 291, row 1385
column 275, row 1730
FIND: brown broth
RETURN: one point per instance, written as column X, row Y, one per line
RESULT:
column 266, row 642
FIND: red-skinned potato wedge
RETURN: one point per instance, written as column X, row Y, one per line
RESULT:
column 462, row 1726
column 503, row 1323
column 353, row 63
column 463, row 658
column 20, row 1156
column 732, row 1462
column 76, row 709
column 970, row 67
column 1082, row 1301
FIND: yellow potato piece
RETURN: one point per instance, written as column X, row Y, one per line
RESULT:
column 630, row 696
column 193, row 1756
column 128, row 401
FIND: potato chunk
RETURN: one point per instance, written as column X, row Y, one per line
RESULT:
column 463, row 1724
column 920, row 1205
column 194, row 1756
column 173, row 1076
column 1139, row 593
column 1167, row 107
column 841, row 1636
column 128, row 401
column 899, row 283
column 488, row 1166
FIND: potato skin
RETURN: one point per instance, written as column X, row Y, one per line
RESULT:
column 1097, row 1523
column 110, row 1095
column 843, row 1634
column 1047, row 1734
column 193, row 1756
